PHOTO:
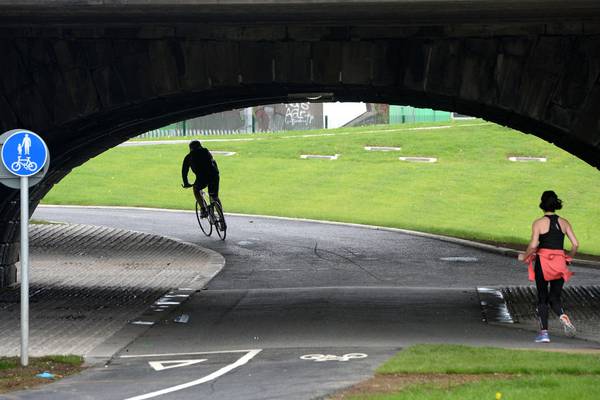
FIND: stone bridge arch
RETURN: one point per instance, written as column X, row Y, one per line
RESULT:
column 87, row 89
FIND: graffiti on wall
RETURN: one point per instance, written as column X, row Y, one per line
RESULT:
column 381, row 113
column 298, row 114
column 286, row 117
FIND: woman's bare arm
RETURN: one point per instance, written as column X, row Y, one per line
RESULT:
column 571, row 235
column 533, row 243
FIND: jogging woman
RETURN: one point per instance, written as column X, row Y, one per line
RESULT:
column 548, row 263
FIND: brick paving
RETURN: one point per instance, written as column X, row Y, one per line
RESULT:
column 88, row 282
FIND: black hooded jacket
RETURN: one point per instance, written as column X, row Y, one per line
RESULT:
column 202, row 164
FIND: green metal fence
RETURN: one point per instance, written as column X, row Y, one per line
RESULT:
column 407, row 114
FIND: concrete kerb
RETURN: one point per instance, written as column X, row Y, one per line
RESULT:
column 465, row 242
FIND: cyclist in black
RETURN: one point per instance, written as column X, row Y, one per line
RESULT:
column 206, row 170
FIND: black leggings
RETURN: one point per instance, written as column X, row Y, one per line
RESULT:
column 213, row 188
column 545, row 297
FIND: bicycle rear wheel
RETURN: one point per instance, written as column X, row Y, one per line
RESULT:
column 204, row 223
column 220, row 225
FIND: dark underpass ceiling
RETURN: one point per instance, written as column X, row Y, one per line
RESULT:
column 407, row 12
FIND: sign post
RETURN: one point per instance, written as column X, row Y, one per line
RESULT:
column 24, row 154
column 24, row 271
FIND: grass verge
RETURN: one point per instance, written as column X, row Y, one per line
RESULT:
column 14, row 377
column 432, row 372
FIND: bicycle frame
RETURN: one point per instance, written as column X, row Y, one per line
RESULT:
column 201, row 196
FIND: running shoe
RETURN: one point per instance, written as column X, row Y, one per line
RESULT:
column 542, row 337
column 565, row 321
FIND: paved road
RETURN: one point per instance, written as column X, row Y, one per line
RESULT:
column 270, row 253
column 291, row 289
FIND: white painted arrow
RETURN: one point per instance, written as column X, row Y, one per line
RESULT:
column 162, row 365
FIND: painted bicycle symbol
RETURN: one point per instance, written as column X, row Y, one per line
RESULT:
column 26, row 164
column 331, row 357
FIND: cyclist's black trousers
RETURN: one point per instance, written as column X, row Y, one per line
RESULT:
column 213, row 187
column 547, row 298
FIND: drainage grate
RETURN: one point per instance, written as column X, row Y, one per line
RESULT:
column 419, row 159
column 382, row 148
column 527, row 159
column 318, row 156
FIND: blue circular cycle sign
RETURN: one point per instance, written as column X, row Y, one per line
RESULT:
column 24, row 153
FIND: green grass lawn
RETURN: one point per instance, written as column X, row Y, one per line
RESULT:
column 472, row 192
column 513, row 374
column 458, row 359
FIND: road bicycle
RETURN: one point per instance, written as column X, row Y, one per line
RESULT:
column 213, row 218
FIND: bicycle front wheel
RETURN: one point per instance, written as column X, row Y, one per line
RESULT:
column 204, row 222
column 220, row 224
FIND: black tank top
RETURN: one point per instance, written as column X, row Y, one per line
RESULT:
column 554, row 238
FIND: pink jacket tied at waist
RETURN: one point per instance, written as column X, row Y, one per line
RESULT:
column 554, row 264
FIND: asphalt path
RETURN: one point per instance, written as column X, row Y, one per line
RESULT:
column 291, row 291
